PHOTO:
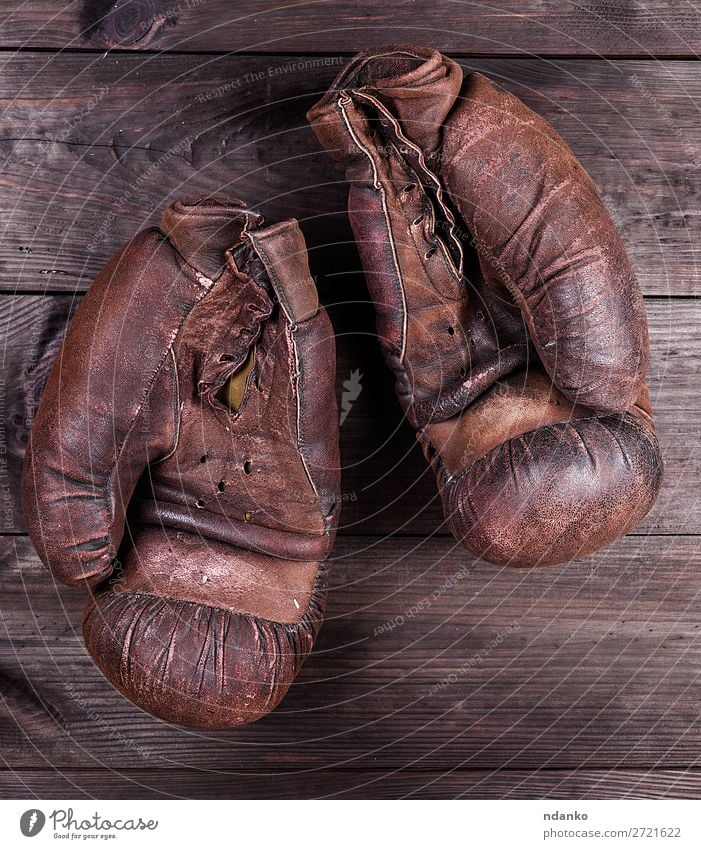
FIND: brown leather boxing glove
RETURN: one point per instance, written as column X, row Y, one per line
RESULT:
column 506, row 306
column 184, row 464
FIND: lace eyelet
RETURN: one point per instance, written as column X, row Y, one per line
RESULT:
column 409, row 188
column 418, row 220
column 430, row 252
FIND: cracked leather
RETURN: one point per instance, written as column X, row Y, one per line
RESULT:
column 202, row 531
column 506, row 306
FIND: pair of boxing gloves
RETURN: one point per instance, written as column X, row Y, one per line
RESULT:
column 184, row 462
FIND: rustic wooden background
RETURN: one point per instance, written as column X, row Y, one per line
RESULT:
column 435, row 675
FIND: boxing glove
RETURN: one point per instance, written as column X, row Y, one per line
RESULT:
column 506, row 306
column 183, row 464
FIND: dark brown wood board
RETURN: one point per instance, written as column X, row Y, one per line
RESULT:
column 613, row 28
column 351, row 784
column 428, row 660
column 94, row 146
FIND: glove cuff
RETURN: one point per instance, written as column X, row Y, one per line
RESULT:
column 418, row 85
column 203, row 229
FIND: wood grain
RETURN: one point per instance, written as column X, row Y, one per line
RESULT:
column 387, row 486
column 614, row 28
column 31, row 330
column 435, row 675
column 350, row 784
column 95, row 146
column 428, row 660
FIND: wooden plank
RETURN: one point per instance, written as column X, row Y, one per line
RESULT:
column 387, row 485
column 616, row 28
column 95, row 146
column 31, row 330
column 428, row 660
column 350, row 784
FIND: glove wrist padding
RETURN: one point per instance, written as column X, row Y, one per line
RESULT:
column 488, row 254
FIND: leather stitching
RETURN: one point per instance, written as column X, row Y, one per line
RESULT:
column 383, row 198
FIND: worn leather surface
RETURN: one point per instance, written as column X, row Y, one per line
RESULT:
column 201, row 527
column 506, row 306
